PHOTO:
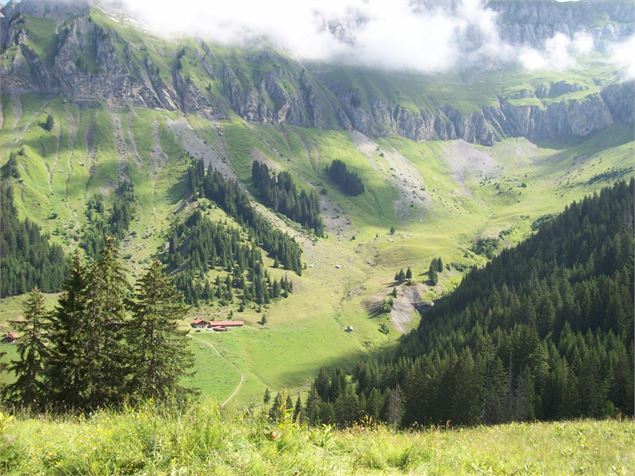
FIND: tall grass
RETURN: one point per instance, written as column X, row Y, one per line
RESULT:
column 204, row 440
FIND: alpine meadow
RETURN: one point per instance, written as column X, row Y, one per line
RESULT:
column 317, row 237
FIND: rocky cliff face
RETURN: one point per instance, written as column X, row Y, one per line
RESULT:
column 89, row 61
column 620, row 99
column 491, row 123
column 533, row 22
column 88, row 67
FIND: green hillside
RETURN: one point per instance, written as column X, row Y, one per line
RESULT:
column 441, row 197
column 123, row 107
column 543, row 331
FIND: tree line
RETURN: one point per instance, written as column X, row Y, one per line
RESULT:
column 105, row 344
column 115, row 223
column 279, row 192
column 235, row 202
column 544, row 331
column 333, row 401
column 348, row 181
column 27, row 258
column 198, row 245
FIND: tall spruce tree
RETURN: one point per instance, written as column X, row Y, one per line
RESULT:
column 66, row 347
column 104, row 363
column 29, row 389
column 161, row 351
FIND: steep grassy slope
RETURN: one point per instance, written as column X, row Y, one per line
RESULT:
column 203, row 442
column 442, row 197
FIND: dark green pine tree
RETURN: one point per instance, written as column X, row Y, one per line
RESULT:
column 439, row 264
column 49, row 122
column 266, row 398
column 281, row 405
column 29, row 388
column 104, row 363
column 408, row 273
column 297, row 411
column 433, row 275
column 161, row 352
column 65, row 383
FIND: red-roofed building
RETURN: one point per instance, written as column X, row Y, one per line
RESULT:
column 227, row 323
column 200, row 324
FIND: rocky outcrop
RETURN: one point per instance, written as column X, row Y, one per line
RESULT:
column 620, row 99
column 93, row 63
column 282, row 92
column 534, row 21
column 491, row 123
column 564, row 118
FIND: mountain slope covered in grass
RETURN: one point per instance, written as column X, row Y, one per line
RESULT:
column 543, row 331
column 101, row 122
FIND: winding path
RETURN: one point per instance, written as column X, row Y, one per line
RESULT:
column 242, row 376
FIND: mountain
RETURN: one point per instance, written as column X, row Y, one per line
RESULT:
column 85, row 54
column 108, row 129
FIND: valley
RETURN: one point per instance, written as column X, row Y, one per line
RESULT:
column 440, row 197
column 352, row 237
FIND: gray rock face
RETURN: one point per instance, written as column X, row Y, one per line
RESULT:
column 620, row 99
column 566, row 118
column 533, row 22
column 491, row 123
column 92, row 63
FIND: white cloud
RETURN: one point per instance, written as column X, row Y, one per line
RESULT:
column 623, row 56
column 391, row 34
column 559, row 52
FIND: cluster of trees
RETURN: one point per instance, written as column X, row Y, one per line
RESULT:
column 100, row 225
column 348, row 181
column 544, row 331
column 228, row 195
column 198, row 245
column 28, row 259
column 401, row 277
column 105, row 344
column 10, row 169
column 279, row 192
column 436, row 267
column 333, row 401
column 283, row 407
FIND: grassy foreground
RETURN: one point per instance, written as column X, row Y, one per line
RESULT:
column 202, row 440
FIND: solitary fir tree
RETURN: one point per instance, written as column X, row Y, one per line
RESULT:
column 433, row 275
column 29, row 389
column 297, row 411
column 161, row 352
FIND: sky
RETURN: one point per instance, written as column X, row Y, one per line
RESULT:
column 389, row 34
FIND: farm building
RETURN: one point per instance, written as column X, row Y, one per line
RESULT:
column 218, row 326
column 227, row 323
column 199, row 324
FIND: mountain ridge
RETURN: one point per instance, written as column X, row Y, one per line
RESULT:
column 127, row 68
